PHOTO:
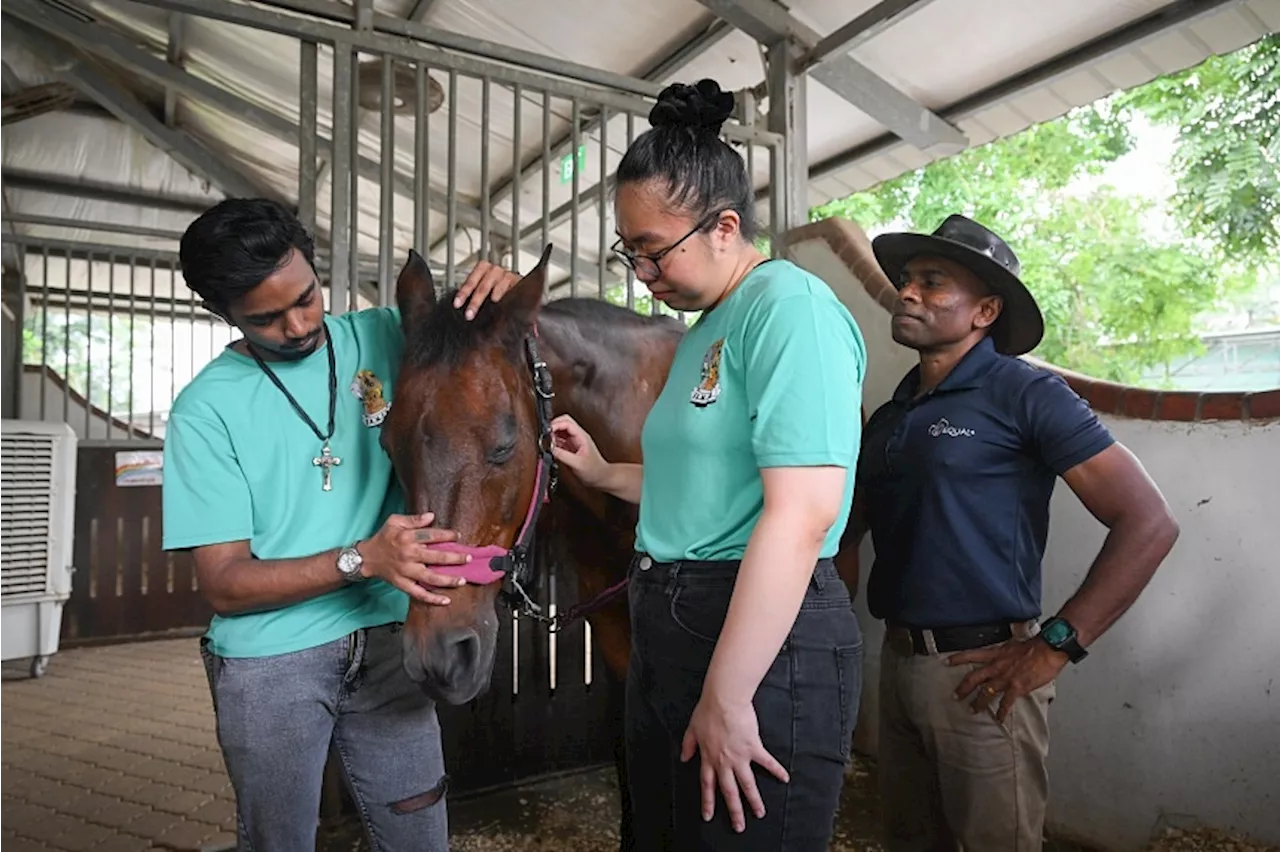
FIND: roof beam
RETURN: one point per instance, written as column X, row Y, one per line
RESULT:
column 173, row 53
column 25, row 181
column 422, row 8
column 768, row 23
column 98, row 39
column 97, row 83
column 1109, row 44
column 868, row 25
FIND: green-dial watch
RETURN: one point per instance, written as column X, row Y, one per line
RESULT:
column 1061, row 636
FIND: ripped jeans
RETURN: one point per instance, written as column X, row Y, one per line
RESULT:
column 278, row 716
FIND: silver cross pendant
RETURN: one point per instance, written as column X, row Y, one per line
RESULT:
column 326, row 460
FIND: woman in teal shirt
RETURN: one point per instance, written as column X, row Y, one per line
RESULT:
column 745, row 648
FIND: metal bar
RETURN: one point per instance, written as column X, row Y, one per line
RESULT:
column 769, row 23
column 173, row 55
column 363, row 14
column 393, row 42
column 420, row 10
column 487, row 50
column 308, row 130
column 340, row 231
column 546, row 170
column 44, row 328
column 602, row 218
column 787, row 101
column 20, row 324
column 88, row 361
column 109, row 407
column 151, row 362
column 484, row 169
column 517, row 137
column 631, row 276
column 173, row 336
column 99, row 191
column 452, row 214
column 576, row 112
column 386, row 186
column 81, row 250
column 1122, row 39
column 104, row 227
column 422, row 159
column 80, row 299
column 353, row 174
column 133, row 318
column 96, row 82
column 66, row 349
column 863, row 28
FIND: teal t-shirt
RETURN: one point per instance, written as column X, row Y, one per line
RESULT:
column 238, row 465
column 771, row 377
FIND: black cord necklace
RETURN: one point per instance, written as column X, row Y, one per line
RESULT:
column 326, row 459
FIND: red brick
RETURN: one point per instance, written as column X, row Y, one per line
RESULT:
column 1264, row 405
column 1222, row 406
column 1178, row 406
column 1138, row 403
column 1103, row 397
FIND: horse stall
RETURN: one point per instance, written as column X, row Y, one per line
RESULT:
column 417, row 124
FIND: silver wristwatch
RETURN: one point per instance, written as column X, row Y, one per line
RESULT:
column 349, row 562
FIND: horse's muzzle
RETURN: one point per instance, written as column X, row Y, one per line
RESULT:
column 452, row 666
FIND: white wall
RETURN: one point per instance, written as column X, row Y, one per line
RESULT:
column 1175, row 715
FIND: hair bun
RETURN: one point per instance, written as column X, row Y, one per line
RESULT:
column 702, row 106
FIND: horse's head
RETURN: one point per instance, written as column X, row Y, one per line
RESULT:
column 464, row 437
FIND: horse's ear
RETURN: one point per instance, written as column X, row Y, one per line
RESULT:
column 415, row 291
column 526, row 297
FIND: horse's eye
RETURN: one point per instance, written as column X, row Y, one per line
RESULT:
column 502, row 454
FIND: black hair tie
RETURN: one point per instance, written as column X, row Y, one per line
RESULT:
column 702, row 106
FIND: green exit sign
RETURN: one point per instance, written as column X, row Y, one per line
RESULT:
column 566, row 164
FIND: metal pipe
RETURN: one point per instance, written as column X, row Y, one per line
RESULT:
column 576, row 118
column 20, row 324
column 631, row 276
column 602, row 208
column 44, row 329
column 308, row 105
column 151, row 365
column 452, row 215
column 104, row 227
column 546, row 170
column 484, row 169
column 517, row 138
column 353, row 173
column 386, row 186
column 111, row 342
column 133, row 318
column 88, row 365
column 66, row 346
column 421, row 159
column 340, row 184
column 81, row 250
column 173, row 337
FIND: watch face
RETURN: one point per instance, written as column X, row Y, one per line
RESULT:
column 348, row 562
column 1055, row 632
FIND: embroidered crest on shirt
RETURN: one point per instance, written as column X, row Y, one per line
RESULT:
column 708, row 389
column 944, row 427
column 368, row 389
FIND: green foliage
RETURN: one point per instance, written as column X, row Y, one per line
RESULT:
column 1227, row 115
column 1120, row 286
column 79, row 353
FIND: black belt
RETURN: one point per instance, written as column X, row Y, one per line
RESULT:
column 951, row 639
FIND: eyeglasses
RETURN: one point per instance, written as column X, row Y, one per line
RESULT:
column 646, row 265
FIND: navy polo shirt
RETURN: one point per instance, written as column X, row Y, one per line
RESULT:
column 956, row 485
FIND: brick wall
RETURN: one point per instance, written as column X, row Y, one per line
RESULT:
column 852, row 246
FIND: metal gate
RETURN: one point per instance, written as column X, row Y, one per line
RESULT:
column 111, row 333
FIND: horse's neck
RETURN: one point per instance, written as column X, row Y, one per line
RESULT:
column 608, row 387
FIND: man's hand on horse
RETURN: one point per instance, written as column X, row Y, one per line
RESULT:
column 485, row 281
column 727, row 739
column 1010, row 670
column 401, row 551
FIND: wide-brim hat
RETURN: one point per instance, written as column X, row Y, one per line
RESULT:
column 1020, row 325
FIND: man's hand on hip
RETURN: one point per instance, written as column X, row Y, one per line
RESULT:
column 1011, row 670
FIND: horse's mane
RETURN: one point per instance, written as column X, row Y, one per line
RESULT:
column 447, row 334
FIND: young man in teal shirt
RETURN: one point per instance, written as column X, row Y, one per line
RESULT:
column 275, row 478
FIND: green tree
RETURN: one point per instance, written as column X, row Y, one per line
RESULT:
column 1227, row 160
column 95, row 360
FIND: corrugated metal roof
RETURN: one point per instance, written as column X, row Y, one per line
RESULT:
column 955, row 57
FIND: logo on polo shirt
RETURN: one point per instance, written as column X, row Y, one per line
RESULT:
column 708, row 389
column 368, row 389
column 944, row 427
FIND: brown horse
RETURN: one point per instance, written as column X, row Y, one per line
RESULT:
column 467, row 440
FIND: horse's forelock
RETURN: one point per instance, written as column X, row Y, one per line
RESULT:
column 446, row 334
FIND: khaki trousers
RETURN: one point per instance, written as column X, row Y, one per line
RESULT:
column 952, row 779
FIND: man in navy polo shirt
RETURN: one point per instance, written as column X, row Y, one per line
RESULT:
column 953, row 483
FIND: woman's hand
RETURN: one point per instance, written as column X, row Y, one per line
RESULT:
column 485, row 281
column 573, row 448
column 727, row 739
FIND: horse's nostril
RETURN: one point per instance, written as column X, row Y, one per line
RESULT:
column 466, row 650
